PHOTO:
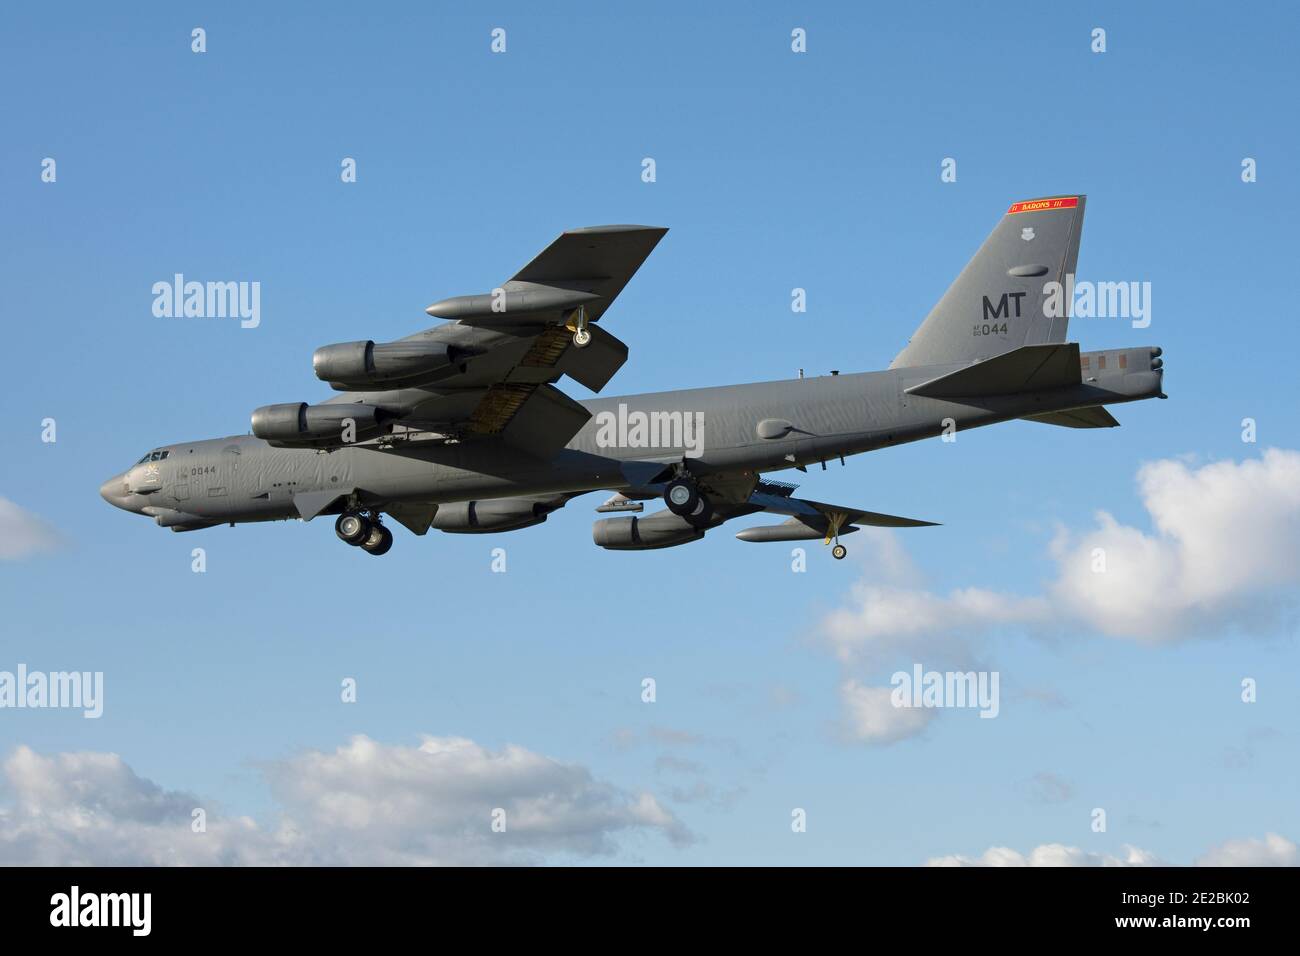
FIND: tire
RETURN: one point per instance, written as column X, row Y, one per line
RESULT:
column 382, row 544
column 352, row 528
column 702, row 514
column 838, row 552
column 582, row 338
column 682, row 497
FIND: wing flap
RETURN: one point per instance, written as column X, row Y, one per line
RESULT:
column 537, row 419
column 593, row 366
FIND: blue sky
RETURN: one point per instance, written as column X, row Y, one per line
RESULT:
column 775, row 170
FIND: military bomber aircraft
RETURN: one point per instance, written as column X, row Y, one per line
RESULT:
column 461, row 428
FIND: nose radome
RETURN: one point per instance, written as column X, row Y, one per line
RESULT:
column 114, row 490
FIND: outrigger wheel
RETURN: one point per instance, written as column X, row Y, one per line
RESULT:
column 578, row 325
column 352, row 527
column 682, row 497
column 836, row 520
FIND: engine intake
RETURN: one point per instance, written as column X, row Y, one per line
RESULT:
column 297, row 424
column 354, row 365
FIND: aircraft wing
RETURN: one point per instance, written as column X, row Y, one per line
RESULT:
column 597, row 260
column 815, row 519
column 524, row 336
column 508, row 347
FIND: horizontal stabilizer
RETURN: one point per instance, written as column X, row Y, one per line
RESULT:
column 1029, row 368
column 1094, row 416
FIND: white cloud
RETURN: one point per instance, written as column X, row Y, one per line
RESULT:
column 1224, row 554
column 363, row 803
column 22, row 533
column 1226, row 539
column 91, row 809
column 1273, row 850
column 433, row 803
column 884, row 621
column 1049, row 854
column 872, row 718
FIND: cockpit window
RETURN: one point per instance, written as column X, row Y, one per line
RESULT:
column 153, row 456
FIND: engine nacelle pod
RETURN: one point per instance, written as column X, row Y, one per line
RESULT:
column 663, row 529
column 355, row 365
column 493, row 514
column 297, row 424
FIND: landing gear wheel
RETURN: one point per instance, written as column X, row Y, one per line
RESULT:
column 703, row 512
column 682, row 497
column 838, row 552
column 578, row 323
column 352, row 528
column 378, row 541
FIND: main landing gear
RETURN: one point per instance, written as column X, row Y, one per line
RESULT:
column 364, row 532
column 686, row 500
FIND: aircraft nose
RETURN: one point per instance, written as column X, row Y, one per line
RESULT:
column 114, row 491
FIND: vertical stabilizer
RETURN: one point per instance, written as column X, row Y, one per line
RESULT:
column 998, row 302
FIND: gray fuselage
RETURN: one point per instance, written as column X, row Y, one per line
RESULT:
column 743, row 429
